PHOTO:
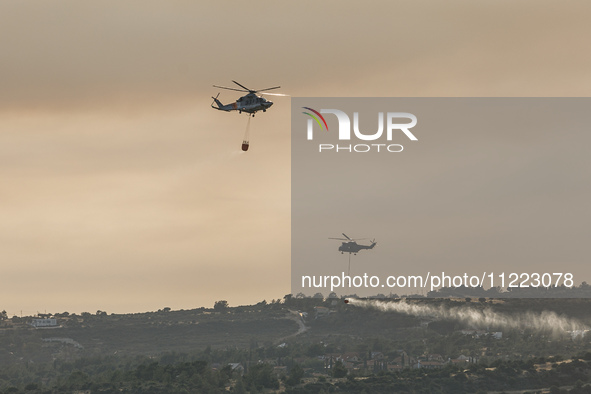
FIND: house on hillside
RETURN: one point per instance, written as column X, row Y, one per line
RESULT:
column 44, row 323
column 351, row 360
column 429, row 364
column 321, row 311
column 464, row 359
column 237, row 368
column 377, row 355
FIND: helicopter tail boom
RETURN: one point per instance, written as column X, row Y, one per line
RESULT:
column 220, row 106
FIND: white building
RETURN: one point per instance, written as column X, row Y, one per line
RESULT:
column 44, row 323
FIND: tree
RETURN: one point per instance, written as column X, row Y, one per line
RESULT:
column 295, row 375
column 260, row 376
column 220, row 306
column 339, row 370
column 239, row 388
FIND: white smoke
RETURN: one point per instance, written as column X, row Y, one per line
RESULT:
column 479, row 318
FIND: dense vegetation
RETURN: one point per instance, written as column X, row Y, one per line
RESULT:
column 111, row 375
column 256, row 349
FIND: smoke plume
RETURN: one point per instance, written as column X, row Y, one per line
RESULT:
column 545, row 321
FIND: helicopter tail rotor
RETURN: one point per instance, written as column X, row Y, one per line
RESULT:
column 215, row 100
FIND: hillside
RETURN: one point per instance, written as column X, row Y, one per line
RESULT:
column 308, row 333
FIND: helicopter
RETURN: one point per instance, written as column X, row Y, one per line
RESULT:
column 351, row 246
column 251, row 103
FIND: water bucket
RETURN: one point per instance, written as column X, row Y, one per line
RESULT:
column 245, row 145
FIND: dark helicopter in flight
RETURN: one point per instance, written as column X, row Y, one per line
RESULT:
column 351, row 246
column 251, row 103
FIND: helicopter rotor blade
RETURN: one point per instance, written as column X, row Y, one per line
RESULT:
column 244, row 87
column 276, row 94
column 263, row 90
column 340, row 239
column 237, row 90
column 346, row 236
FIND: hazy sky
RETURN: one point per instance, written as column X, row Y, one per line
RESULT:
column 122, row 190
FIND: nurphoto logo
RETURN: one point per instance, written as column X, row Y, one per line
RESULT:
column 391, row 124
